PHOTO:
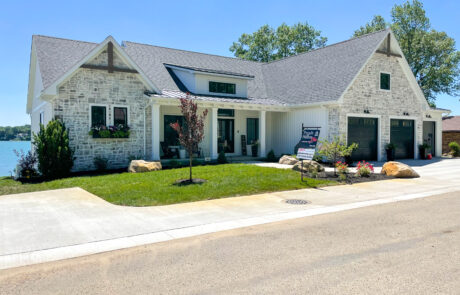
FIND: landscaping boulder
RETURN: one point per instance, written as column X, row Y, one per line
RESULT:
column 308, row 166
column 137, row 166
column 288, row 160
column 399, row 170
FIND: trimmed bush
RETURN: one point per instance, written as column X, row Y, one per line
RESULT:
column 271, row 156
column 454, row 149
column 222, row 159
column 55, row 158
column 101, row 163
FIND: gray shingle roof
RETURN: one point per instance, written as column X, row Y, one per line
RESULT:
column 56, row 56
column 317, row 76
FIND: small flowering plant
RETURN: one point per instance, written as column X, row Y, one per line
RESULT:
column 342, row 168
column 364, row 169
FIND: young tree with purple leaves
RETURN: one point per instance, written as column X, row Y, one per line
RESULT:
column 191, row 133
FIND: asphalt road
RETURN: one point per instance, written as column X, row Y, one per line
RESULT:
column 410, row 247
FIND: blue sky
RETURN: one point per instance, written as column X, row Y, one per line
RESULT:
column 205, row 26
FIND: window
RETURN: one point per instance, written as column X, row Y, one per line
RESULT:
column 384, row 81
column 120, row 116
column 219, row 87
column 252, row 130
column 226, row 112
column 98, row 116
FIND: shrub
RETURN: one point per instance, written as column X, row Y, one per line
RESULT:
column 454, row 149
column 174, row 164
column 55, row 158
column 342, row 168
column 336, row 149
column 222, row 159
column 27, row 164
column 271, row 156
column 101, row 163
column 364, row 169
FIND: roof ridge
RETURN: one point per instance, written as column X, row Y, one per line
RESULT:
column 327, row 46
column 60, row 38
column 191, row 51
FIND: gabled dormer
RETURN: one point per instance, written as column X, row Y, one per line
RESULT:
column 210, row 82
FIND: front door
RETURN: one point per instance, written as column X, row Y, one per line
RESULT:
column 429, row 135
column 226, row 136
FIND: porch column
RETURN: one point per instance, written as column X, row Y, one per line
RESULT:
column 155, row 132
column 213, row 128
column 262, row 115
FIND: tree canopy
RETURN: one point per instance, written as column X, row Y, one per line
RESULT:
column 268, row 44
column 15, row 133
column 431, row 54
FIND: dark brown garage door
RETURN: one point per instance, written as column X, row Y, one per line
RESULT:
column 363, row 131
column 402, row 135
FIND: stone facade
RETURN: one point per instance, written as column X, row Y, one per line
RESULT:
column 365, row 94
column 98, row 87
column 448, row 137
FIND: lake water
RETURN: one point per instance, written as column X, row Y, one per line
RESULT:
column 8, row 159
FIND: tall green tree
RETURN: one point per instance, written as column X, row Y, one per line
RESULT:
column 431, row 54
column 267, row 44
column 378, row 23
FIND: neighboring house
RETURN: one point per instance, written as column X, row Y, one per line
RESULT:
column 362, row 89
column 450, row 131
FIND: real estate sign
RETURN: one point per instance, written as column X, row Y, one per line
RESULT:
column 307, row 144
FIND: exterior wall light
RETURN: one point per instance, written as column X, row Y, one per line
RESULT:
column 366, row 111
column 406, row 114
column 428, row 116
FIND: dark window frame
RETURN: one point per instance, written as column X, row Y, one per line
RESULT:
column 222, row 87
column 104, row 117
column 385, row 85
column 256, row 131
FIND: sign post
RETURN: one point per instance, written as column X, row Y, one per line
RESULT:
column 307, row 145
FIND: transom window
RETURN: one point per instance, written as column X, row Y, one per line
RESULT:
column 120, row 116
column 384, row 81
column 219, row 87
column 226, row 112
column 98, row 116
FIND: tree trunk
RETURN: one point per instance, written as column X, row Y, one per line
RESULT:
column 191, row 166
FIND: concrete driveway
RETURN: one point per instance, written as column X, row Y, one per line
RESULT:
column 51, row 225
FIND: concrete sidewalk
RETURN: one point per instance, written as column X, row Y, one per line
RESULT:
column 51, row 225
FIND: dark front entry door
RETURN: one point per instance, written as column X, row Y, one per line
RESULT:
column 363, row 131
column 402, row 135
column 226, row 136
column 429, row 135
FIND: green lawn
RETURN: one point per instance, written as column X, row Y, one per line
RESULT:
column 156, row 188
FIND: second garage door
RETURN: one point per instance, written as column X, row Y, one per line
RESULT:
column 363, row 131
column 402, row 135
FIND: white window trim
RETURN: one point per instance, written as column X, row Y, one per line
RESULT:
column 380, row 82
column 120, row 106
column 91, row 113
column 379, row 131
column 416, row 122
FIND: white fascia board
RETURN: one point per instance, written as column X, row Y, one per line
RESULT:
column 32, row 70
column 52, row 89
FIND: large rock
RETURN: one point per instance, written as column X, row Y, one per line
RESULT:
column 137, row 166
column 399, row 170
column 288, row 160
column 308, row 166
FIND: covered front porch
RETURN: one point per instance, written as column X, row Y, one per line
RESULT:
column 241, row 130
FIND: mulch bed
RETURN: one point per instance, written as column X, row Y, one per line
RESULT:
column 351, row 177
column 182, row 182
